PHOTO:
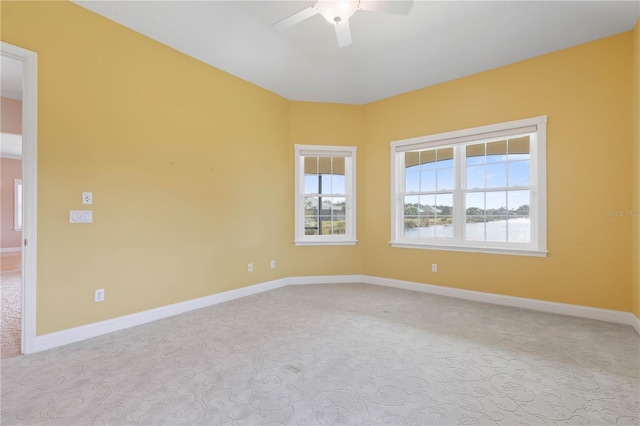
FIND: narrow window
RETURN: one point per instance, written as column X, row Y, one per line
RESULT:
column 325, row 195
column 17, row 204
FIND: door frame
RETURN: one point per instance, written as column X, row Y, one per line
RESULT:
column 29, row 188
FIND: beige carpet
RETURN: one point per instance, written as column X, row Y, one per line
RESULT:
column 336, row 354
column 11, row 326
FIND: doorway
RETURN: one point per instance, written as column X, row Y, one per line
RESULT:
column 11, row 205
column 19, row 142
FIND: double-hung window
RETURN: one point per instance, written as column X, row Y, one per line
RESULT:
column 325, row 211
column 480, row 189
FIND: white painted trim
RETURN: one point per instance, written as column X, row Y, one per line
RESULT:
column 326, row 243
column 17, row 205
column 72, row 335
column 11, row 156
column 10, row 249
column 76, row 334
column 349, row 155
column 326, row 279
column 635, row 323
column 607, row 315
column 11, row 145
column 457, row 140
column 29, row 188
column 470, row 249
column 450, row 137
column 6, row 93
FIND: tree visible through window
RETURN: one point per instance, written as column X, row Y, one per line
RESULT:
column 325, row 210
column 324, row 190
column 477, row 189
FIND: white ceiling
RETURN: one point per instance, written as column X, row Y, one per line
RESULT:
column 390, row 54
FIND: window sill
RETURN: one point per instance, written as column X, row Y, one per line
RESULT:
column 326, row 243
column 470, row 249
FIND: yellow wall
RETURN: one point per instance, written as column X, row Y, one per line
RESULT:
column 192, row 172
column 635, row 253
column 325, row 124
column 187, row 164
column 584, row 91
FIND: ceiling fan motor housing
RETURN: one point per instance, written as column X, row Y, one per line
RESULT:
column 337, row 11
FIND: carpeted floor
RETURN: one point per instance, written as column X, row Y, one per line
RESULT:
column 337, row 354
column 11, row 328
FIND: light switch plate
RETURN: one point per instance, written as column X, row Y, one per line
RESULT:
column 80, row 216
column 87, row 198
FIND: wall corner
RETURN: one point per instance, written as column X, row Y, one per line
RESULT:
column 635, row 197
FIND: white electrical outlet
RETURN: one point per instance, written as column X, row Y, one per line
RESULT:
column 87, row 198
column 273, row 264
column 99, row 295
column 434, row 267
column 250, row 267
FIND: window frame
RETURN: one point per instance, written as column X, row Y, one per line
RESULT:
column 457, row 139
column 17, row 204
column 349, row 155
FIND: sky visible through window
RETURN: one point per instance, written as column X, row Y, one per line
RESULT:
column 331, row 184
column 497, row 176
column 325, row 200
column 478, row 189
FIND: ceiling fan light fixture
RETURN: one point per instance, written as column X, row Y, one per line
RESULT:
column 336, row 11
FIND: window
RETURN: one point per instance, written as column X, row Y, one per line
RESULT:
column 17, row 204
column 480, row 190
column 325, row 211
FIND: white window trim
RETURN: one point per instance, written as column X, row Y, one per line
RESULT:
column 348, row 152
column 538, row 245
column 17, row 203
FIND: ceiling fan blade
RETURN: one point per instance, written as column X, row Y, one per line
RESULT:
column 296, row 18
column 397, row 7
column 343, row 32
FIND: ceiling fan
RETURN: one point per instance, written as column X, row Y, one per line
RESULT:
column 338, row 12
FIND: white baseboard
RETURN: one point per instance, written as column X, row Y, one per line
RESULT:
column 76, row 334
column 607, row 315
column 635, row 323
column 326, row 279
column 10, row 249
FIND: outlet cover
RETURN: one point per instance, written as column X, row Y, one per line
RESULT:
column 99, row 296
